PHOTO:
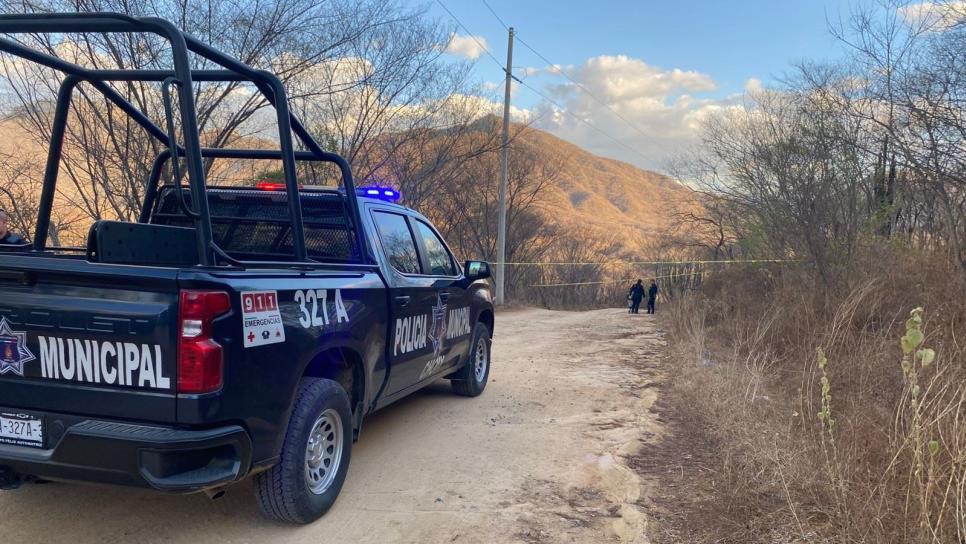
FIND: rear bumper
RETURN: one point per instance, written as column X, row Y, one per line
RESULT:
column 161, row 458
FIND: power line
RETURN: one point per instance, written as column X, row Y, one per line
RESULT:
column 580, row 86
column 553, row 66
column 505, row 26
column 584, row 121
column 487, row 4
column 531, row 88
column 470, row 34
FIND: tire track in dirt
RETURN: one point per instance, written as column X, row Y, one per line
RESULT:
column 616, row 363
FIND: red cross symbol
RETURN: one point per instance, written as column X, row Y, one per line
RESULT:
column 251, row 336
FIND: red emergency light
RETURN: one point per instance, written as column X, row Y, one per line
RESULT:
column 269, row 186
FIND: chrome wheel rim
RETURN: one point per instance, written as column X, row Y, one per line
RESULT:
column 480, row 360
column 323, row 452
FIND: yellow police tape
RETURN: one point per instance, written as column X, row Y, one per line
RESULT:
column 742, row 261
column 624, row 280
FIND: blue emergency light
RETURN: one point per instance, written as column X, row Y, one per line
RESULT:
column 382, row 193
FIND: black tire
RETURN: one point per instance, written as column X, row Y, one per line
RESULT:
column 466, row 381
column 283, row 491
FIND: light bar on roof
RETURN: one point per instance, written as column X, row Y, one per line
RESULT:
column 382, row 193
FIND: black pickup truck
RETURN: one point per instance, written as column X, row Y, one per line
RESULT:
column 231, row 331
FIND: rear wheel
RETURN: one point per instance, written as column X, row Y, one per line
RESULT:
column 470, row 380
column 315, row 456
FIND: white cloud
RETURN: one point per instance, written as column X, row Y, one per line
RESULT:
column 664, row 108
column 474, row 107
column 624, row 78
column 934, row 15
column 467, row 46
column 753, row 85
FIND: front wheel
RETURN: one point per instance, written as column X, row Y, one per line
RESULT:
column 315, row 456
column 470, row 380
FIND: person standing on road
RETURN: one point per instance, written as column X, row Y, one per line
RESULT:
column 637, row 295
column 6, row 235
column 651, row 296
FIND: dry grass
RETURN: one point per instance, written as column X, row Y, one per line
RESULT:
column 887, row 464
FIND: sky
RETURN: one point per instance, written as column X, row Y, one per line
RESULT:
column 661, row 66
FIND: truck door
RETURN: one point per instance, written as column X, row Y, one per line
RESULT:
column 438, row 262
column 413, row 302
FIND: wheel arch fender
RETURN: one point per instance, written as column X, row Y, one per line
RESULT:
column 486, row 317
column 343, row 365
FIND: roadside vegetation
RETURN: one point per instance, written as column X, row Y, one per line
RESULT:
column 826, row 396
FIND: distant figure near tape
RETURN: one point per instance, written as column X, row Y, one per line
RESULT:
column 637, row 295
column 651, row 295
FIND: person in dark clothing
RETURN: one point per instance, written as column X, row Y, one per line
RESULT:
column 637, row 295
column 6, row 236
column 651, row 296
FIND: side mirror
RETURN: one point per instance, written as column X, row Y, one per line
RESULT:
column 477, row 270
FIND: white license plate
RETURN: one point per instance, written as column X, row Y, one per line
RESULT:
column 21, row 430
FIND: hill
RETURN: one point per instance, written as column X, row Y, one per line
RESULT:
column 602, row 192
column 606, row 198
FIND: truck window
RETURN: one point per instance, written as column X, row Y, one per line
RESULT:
column 397, row 241
column 254, row 225
column 440, row 261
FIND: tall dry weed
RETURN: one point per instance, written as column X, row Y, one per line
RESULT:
column 838, row 415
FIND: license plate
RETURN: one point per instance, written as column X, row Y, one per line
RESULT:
column 21, row 430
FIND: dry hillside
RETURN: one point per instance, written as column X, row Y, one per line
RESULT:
column 614, row 197
column 605, row 193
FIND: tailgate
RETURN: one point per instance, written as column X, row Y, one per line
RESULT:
column 90, row 340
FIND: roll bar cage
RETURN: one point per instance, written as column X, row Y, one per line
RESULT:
column 182, row 77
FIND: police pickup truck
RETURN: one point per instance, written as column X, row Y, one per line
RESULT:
column 231, row 331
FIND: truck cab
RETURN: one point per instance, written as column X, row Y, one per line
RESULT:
column 428, row 291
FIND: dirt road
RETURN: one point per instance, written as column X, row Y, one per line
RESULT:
column 539, row 457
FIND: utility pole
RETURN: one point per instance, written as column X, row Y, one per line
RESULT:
column 504, row 178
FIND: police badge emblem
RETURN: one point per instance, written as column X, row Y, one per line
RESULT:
column 13, row 350
column 438, row 329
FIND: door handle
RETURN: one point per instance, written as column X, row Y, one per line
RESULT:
column 403, row 300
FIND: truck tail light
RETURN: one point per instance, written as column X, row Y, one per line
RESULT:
column 200, row 358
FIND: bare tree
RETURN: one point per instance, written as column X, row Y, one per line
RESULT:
column 910, row 87
column 107, row 156
column 704, row 226
column 425, row 161
column 588, row 279
column 20, row 197
column 391, row 89
column 464, row 201
column 787, row 165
